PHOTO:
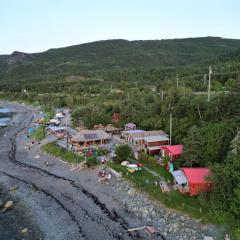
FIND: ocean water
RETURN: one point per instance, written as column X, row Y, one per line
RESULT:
column 4, row 121
column 5, row 116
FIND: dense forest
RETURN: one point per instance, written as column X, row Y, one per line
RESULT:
column 145, row 81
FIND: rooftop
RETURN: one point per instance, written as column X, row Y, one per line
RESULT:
column 142, row 133
column 196, row 175
column 179, row 177
column 174, row 149
column 90, row 135
column 156, row 138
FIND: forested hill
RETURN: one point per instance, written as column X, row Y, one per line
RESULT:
column 114, row 55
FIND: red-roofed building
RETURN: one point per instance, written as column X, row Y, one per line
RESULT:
column 173, row 151
column 197, row 182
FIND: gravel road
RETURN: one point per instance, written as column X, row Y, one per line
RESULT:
column 63, row 204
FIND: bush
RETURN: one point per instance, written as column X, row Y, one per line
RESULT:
column 123, row 152
column 91, row 161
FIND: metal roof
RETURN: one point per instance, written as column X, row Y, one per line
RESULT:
column 179, row 177
column 156, row 138
column 196, row 175
column 174, row 149
column 90, row 135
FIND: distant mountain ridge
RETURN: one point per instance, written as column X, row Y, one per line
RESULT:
column 108, row 55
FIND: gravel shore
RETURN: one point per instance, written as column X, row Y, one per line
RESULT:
column 67, row 204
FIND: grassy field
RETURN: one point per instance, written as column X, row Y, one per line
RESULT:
column 151, row 163
column 39, row 134
column 145, row 181
column 65, row 155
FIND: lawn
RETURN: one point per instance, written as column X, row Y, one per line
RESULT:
column 151, row 163
column 55, row 150
column 39, row 134
column 145, row 181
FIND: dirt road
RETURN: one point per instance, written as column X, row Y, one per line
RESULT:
column 64, row 205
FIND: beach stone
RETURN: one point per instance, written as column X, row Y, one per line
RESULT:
column 131, row 192
column 208, row 238
column 24, row 230
column 173, row 225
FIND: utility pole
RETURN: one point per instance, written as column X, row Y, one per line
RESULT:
column 162, row 94
column 209, row 82
column 204, row 79
column 170, row 123
column 177, row 80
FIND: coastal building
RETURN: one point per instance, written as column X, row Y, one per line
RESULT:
column 153, row 144
column 108, row 129
column 87, row 138
column 192, row 181
column 130, row 126
column 172, row 151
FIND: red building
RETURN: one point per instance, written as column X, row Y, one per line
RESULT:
column 153, row 144
column 172, row 151
column 196, row 180
column 116, row 117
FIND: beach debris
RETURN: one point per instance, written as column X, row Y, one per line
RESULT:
column 79, row 166
column 24, row 230
column 104, row 176
column 37, row 156
column 148, row 229
column 48, row 164
column 7, row 206
column 14, row 188
column 135, row 229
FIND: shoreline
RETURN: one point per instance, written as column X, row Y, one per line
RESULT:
column 117, row 196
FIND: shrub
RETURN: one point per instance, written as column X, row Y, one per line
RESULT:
column 123, row 152
column 91, row 161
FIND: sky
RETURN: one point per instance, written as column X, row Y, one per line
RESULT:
column 37, row 25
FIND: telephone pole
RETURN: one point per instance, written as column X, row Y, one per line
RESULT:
column 204, row 79
column 170, row 123
column 162, row 95
column 209, row 82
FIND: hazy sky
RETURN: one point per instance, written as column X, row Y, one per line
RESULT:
column 37, row 25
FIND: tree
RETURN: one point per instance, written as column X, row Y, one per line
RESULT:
column 123, row 152
column 193, row 145
column 226, row 183
column 217, row 137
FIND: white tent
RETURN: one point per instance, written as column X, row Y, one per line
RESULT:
column 179, row 177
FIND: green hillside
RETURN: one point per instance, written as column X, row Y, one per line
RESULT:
column 112, row 55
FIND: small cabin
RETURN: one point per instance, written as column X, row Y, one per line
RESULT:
column 192, row 181
column 172, row 151
column 130, row 126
